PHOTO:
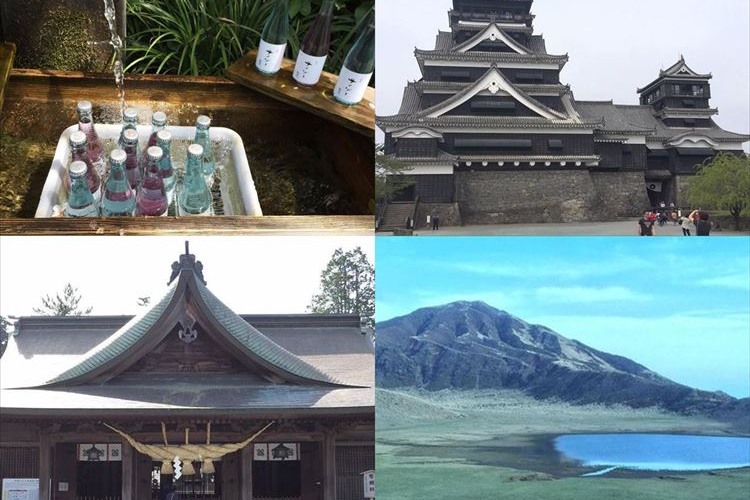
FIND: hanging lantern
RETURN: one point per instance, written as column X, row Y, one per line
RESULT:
column 187, row 468
column 208, row 466
column 166, row 468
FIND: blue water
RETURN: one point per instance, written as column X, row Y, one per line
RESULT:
column 661, row 452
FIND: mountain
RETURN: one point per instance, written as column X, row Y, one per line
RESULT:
column 471, row 345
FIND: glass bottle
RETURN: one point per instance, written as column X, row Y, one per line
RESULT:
column 273, row 39
column 314, row 49
column 195, row 197
column 164, row 141
column 152, row 197
column 158, row 122
column 129, row 121
column 203, row 137
column 79, row 152
column 358, row 68
column 80, row 200
column 118, row 198
column 86, row 125
column 132, row 161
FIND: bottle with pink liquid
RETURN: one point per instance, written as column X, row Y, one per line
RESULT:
column 79, row 152
column 132, row 163
column 86, row 125
column 152, row 197
column 158, row 122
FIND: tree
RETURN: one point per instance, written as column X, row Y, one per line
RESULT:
column 390, row 174
column 347, row 286
column 63, row 305
column 4, row 333
column 722, row 183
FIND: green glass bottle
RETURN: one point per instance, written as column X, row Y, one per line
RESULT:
column 129, row 122
column 80, row 200
column 203, row 137
column 118, row 198
column 194, row 197
column 358, row 68
column 273, row 39
column 164, row 141
column 314, row 48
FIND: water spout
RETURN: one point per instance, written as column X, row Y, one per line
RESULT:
column 117, row 44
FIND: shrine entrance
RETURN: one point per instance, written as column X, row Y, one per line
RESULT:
column 194, row 487
column 99, row 481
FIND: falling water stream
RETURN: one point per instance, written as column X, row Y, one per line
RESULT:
column 116, row 42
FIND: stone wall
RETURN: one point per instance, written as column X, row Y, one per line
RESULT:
column 526, row 197
column 549, row 196
column 450, row 215
column 622, row 194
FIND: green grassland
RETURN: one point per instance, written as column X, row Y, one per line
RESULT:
column 497, row 445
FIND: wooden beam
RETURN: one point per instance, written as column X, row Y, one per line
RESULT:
column 128, row 471
column 329, row 465
column 341, row 225
column 7, row 52
column 317, row 100
column 45, row 465
column 246, row 473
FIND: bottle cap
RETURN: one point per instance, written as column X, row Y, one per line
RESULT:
column 78, row 167
column 159, row 118
column 203, row 121
column 77, row 138
column 130, row 135
column 195, row 150
column 164, row 135
column 130, row 114
column 154, row 153
column 118, row 155
column 84, row 106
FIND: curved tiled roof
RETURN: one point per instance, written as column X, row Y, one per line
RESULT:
column 245, row 337
column 489, row 57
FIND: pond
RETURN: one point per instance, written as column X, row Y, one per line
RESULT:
column 656, row 451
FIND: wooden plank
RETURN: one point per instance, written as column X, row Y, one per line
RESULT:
column 128, row 472
column 329, row 465
column 343, row 225
column 45, row 465
column 7, row 52
column 317, row 100
column 246, row 473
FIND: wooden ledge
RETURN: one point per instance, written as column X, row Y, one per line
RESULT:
column 342, row 225
column 7, row 53
column 317, row 100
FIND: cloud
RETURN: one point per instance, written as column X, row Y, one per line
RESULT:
column 741, row 281
column 577, row 294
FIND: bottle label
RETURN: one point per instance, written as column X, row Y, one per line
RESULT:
column 308, row 68
column 269, row 57
column 351, row 86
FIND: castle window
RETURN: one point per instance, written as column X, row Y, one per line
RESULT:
column 555, row 144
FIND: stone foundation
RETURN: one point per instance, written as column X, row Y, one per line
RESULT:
column 450, row 215
column 549, row 196
column 623, row 194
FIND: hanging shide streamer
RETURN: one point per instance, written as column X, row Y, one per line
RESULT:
column 187, row 452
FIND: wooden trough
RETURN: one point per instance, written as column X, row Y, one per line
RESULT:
column 39, row 104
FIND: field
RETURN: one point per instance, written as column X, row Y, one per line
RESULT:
column 497, row 445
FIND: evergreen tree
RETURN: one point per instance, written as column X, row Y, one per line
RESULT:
column 63, row 305
column 347, row 286
column 5, row 326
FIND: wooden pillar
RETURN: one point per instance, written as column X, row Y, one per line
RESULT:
column 246, row 473
column 128, row 471
column 329, row 465
column 45, row 465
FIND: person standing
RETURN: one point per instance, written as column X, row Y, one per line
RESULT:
column 646, row 225
column 686, row 225
column 703, row 225
column 435, row 220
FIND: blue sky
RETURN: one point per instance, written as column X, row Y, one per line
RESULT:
column 679, row 306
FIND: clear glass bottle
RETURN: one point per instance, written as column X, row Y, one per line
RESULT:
column 132, row 161
column 358, row 68
column 118, row 198
column 314, row 48
column 203, row 137
column 152, row 197
column 86, row 125
column 80, row 200
column 194, row 197
column 158, row 122
column 79, row 152
column 129, row 122
column 273, row 39
column 164, row 141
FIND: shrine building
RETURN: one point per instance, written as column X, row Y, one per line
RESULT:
column 189, row 394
